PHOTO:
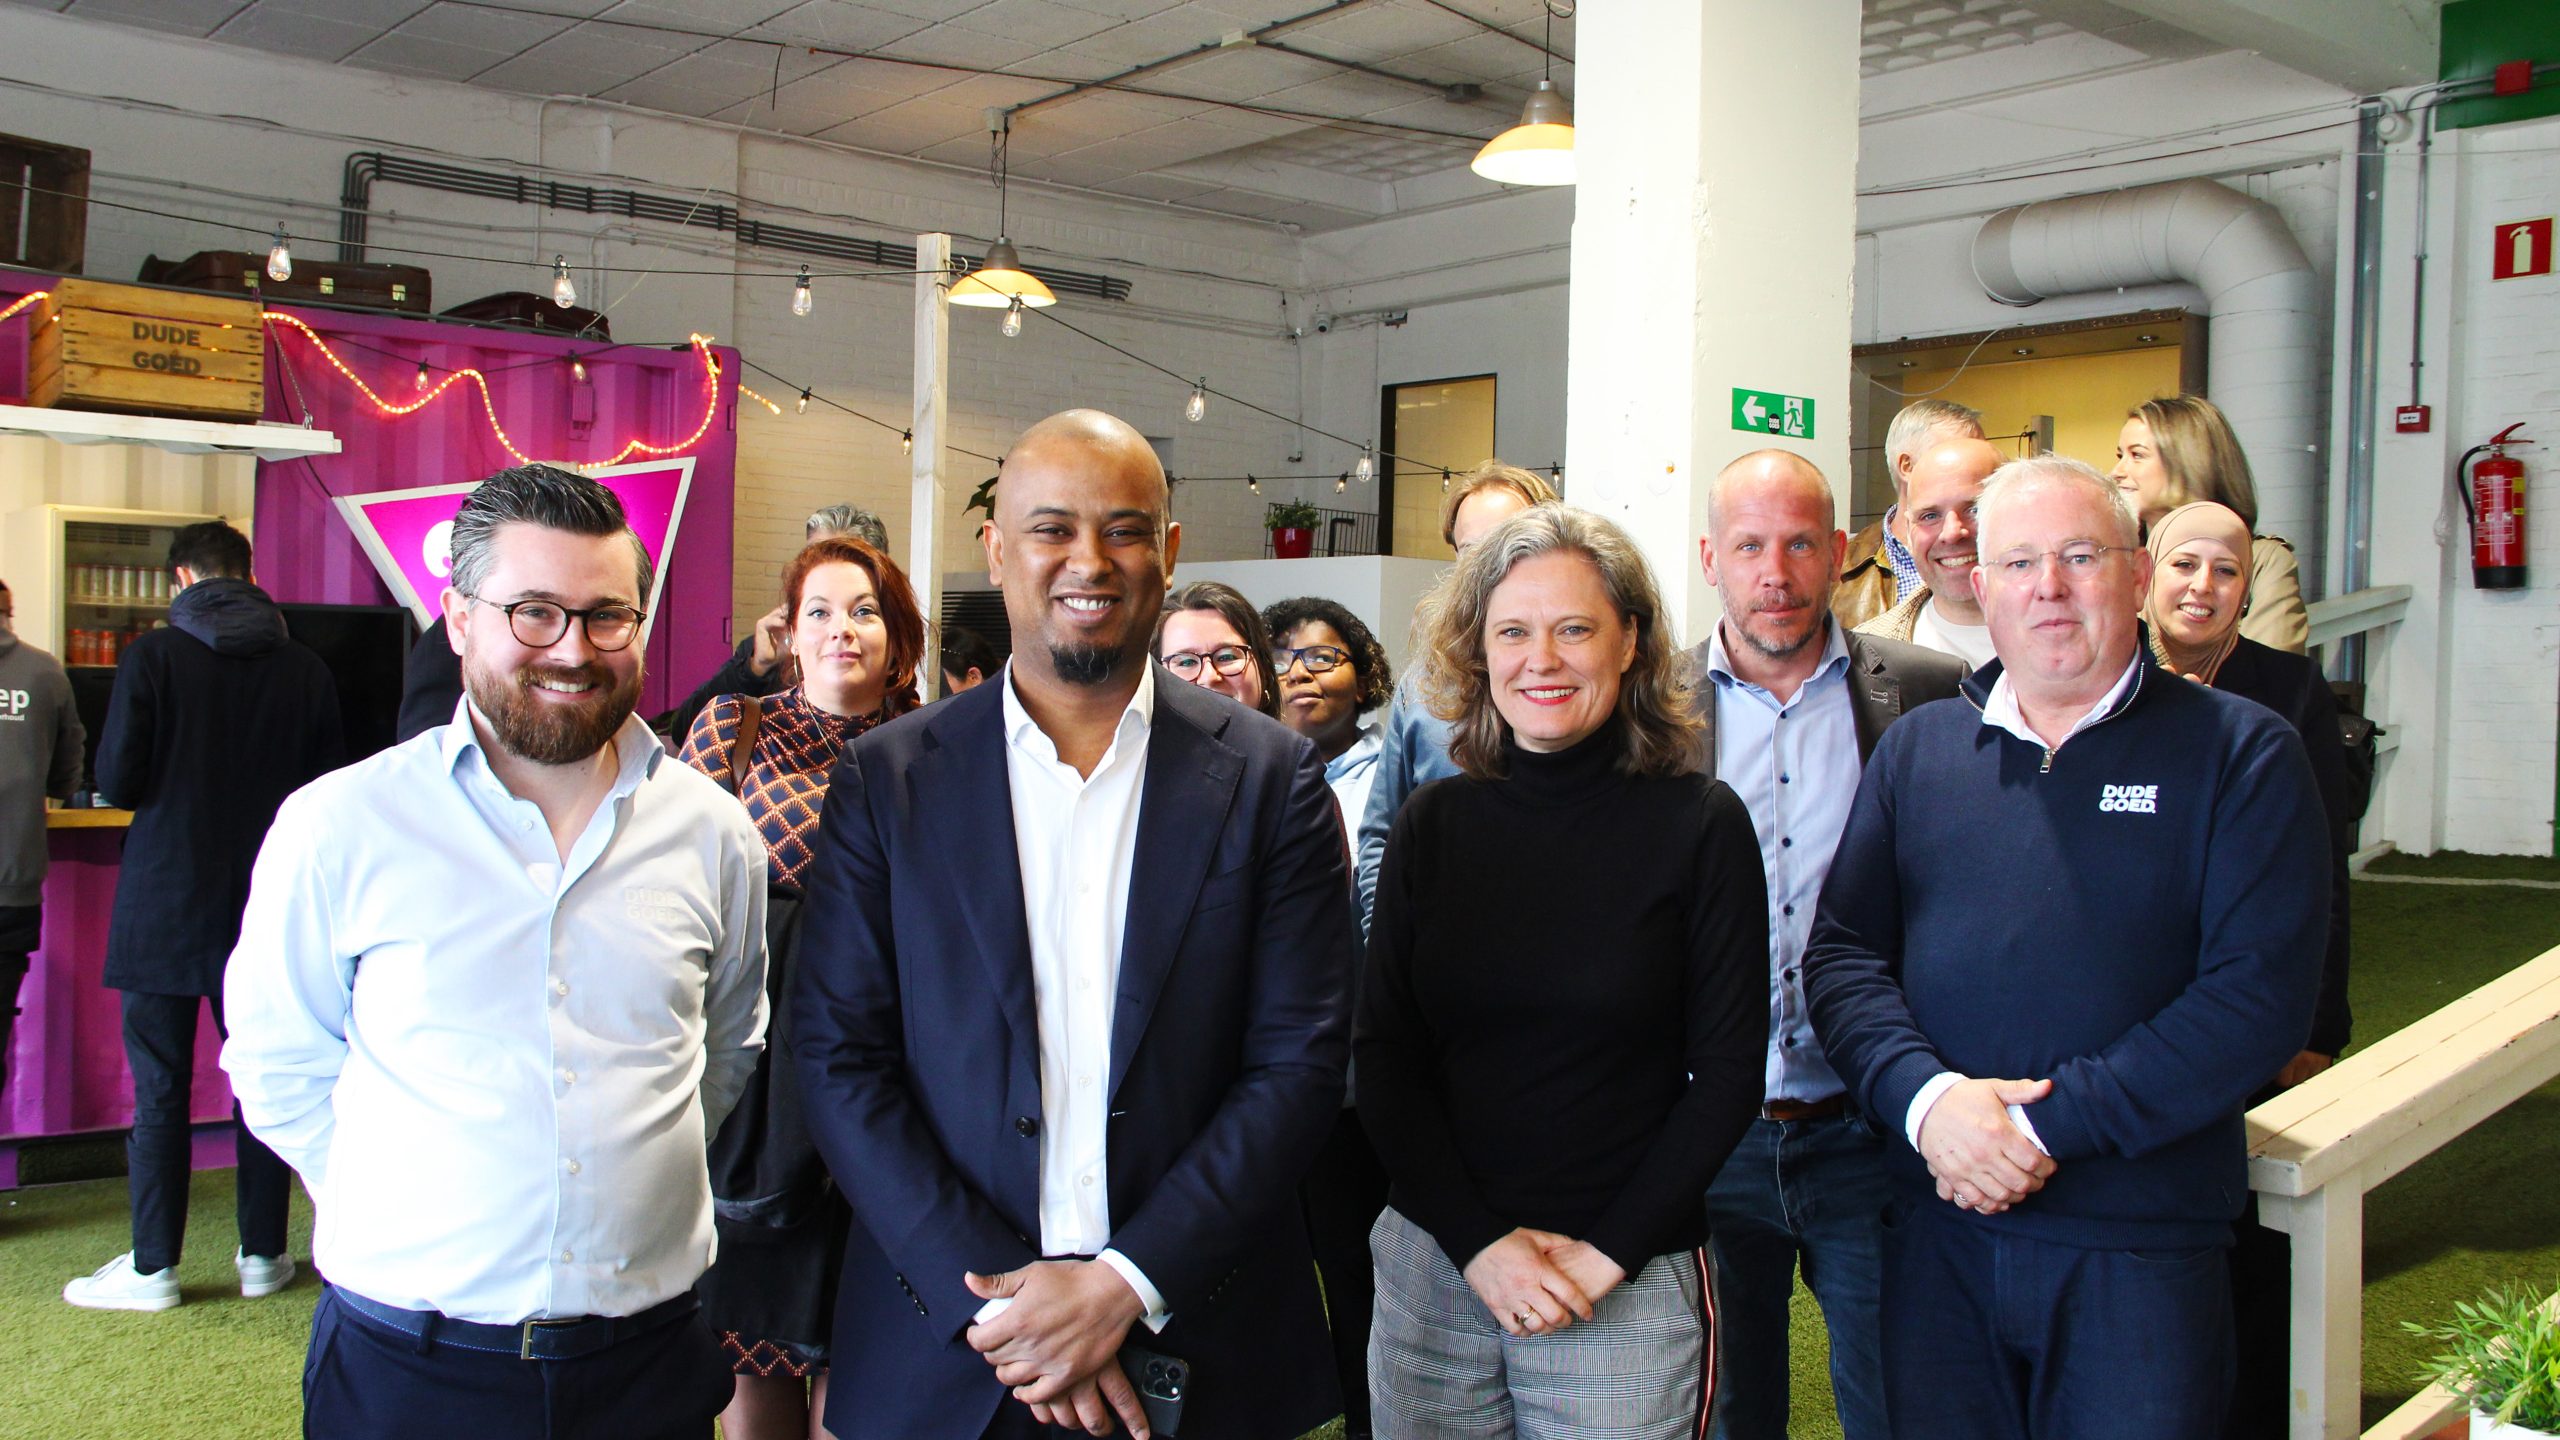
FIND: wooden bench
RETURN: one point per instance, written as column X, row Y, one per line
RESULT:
column 2316, row 1150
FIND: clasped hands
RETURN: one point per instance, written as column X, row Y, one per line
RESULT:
column 1981, row 1161
column 1536, row 1282
column 1057, row 1345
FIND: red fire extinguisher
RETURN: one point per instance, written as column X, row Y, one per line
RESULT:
column 2493, row 498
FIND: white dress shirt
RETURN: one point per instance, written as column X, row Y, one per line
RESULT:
column 2000, row 711
column 495, row 1070
column 1076, row 838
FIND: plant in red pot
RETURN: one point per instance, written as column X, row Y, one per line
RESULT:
column 1292, row 524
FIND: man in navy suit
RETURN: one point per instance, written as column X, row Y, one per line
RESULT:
column 1071, row 1008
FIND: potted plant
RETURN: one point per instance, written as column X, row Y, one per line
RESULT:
column 2502, row 1356
column 1292, row 524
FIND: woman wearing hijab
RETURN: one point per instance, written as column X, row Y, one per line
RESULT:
column 2179, row 448
column 2200, row 584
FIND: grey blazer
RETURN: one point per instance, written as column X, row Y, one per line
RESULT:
column 1886, row 679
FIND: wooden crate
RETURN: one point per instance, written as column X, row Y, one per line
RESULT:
column 148, row 352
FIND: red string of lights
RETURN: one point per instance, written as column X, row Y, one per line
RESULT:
column 395, row 409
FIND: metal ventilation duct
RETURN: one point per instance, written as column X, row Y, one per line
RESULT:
column 2258, row 287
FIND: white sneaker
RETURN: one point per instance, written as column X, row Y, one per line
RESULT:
column 262, row 1275
column 116, row 1285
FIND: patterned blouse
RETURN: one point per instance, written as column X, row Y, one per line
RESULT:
column 796, row 748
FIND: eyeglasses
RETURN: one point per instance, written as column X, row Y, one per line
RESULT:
column 539, row 624
column 2080, row 561
column 1317, row 658
column 1226, row 660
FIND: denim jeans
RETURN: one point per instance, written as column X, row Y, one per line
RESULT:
column 1807, row 1193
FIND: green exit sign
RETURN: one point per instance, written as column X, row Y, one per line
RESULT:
column 1771, row 413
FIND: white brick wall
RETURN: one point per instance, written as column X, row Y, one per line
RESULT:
column 2502, row 697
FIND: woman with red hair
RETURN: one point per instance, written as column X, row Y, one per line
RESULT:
column 856, row 639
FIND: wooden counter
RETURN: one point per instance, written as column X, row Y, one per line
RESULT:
column 87, row 819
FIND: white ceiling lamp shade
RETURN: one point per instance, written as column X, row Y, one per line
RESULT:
column 999, row 281
column 1538, row 150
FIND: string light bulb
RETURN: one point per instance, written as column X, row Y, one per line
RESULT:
column 1013, row 319
column 801, row 301
column 1253, row 485
column 1444, row 481
column 422, row 374
column 802, row 407
column 280, row 258
column 1338, row 482
column 1198, row 405
column 1366, row 468
column 578, row 369
column 906, row 442
column 564, row 291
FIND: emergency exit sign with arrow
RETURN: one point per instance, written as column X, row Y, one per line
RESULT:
column 1773, row 414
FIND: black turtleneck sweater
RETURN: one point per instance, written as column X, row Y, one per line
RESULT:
column 1566, row 1010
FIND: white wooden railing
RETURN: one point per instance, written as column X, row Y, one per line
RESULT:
column 2317, row 1149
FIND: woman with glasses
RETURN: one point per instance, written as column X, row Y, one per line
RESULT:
column 855, row 637
column 1563, row 1025
column 1333, row 675
column 1210, row 636
column 2200, row 584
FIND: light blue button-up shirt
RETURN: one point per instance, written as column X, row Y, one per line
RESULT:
column 495, row 1068
column 1795, row 764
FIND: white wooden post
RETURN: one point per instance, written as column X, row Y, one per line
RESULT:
column 924, row 466
column 2326, row 1365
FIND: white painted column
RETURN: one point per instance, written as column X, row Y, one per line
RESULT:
column 930, row 418
column 1713, row 244
column 2326, row 1366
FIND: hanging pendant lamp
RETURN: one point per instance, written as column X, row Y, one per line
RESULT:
column 1538, row 150
column 1000, row 282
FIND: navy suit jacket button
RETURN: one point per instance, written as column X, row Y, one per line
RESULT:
column 1025, row 1126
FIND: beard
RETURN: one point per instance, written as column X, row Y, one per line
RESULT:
column 1775, row 647
column 1089, row 663
column 546, row 732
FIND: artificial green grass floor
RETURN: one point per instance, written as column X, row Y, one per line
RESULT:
column 2484, row 1210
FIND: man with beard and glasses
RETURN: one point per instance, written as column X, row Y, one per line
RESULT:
column 213, row 722
column 1793, row 706
column 1071, row 1010
column 1938, row 515
column 495, row 988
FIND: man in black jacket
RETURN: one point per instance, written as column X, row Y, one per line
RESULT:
column 214, row 720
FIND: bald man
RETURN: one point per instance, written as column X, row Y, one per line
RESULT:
column 1937, row 516
column 1071, row 1011
column 1793, row 705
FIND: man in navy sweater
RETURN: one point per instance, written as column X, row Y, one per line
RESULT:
column 2070, row 927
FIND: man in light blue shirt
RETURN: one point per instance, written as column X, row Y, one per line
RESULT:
column 1415, row 749
column 1793, row 704
column 495, row 989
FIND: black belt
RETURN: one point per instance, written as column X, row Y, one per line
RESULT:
column 563, row 1339
column 1804, row 1109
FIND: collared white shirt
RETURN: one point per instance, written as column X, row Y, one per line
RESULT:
column 1795, row 765
column 1076, row 839
column 496, row 1070
column 2000, row 711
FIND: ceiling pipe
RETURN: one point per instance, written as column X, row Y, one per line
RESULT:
column 2258, row 288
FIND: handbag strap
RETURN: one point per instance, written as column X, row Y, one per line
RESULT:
column 742, row 748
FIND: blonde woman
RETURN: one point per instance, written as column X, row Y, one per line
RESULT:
column 2179, row 449
column 1564, row 1020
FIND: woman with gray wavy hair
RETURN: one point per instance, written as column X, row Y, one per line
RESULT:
column 1551, row 1073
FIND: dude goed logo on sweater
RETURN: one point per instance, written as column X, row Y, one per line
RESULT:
column 2129, row 799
